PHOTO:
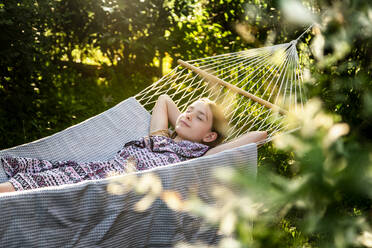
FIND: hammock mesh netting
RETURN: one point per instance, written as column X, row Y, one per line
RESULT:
column 255, row 87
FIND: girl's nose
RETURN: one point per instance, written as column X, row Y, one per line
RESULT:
column 188, row 116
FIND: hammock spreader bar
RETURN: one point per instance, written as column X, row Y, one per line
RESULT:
column 213, row 79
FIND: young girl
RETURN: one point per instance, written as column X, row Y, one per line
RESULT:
column 198, row 131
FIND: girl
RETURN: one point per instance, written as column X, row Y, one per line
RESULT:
column 198, row 131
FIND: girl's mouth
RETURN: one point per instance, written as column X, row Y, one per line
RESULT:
column 184, row 123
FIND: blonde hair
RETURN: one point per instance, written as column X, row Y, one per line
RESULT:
column 219, row 122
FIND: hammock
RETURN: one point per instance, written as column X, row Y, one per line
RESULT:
column 256, row 87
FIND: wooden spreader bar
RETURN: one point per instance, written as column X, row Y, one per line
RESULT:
column 214, row 79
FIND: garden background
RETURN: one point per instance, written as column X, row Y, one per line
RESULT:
column 62, row 62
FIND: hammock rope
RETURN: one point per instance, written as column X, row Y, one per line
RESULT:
column 256, row 87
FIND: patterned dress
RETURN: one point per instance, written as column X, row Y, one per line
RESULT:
column 145, row 153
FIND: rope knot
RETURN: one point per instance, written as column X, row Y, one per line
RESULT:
column 293, row 42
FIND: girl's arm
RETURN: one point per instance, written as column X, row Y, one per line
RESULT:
column 251, row 137
column 164, row 111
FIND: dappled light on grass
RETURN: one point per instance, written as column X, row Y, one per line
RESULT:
column 167, row 64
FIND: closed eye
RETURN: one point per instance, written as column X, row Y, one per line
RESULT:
column 189, row 109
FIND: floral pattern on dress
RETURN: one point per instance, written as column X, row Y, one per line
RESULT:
column 145, row 153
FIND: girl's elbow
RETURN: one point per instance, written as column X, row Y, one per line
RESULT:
column 164, row 97
column 262, row 135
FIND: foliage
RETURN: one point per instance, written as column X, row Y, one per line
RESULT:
column 64, row 61
column 39, row 94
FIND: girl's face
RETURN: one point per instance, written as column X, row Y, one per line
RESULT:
column 196, row 123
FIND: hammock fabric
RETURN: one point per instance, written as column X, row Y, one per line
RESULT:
column 86, row 215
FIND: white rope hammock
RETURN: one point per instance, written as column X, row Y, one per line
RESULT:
column 256, row 87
